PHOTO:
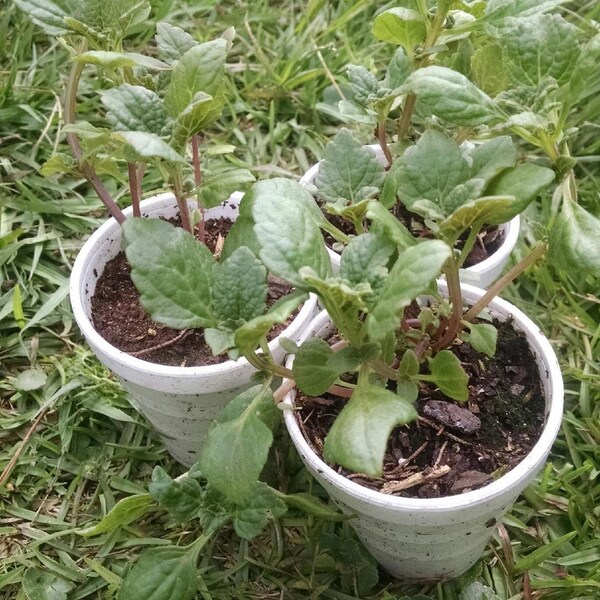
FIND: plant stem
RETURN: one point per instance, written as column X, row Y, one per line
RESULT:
column 455, row 296
column 181, row 201
column 512, row 274
column 88, row 171
column 135, row 189
column 382, row 140
column 198, row 182
column 404, row 124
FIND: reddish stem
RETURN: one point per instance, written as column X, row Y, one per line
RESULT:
column 198, row 181
column 135, row 189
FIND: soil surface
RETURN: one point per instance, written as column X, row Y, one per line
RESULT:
column 488, row 240
column 120, row 319
column 453, row 447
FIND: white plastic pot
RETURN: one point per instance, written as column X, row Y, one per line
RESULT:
column 482, row 274
column 179, row 402
column 440, row 538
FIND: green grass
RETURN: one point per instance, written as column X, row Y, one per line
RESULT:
column 86, row 448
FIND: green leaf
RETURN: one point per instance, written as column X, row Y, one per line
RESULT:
column 218, row 340
column 392, row 227
column 101, row 405
column 363, row 84
column 172, row 271
column 47, row 14
column 585, row 80
column 182, row 499
column 58, row 163
column 217, row 188
column 311, row 505
column 349, row 359
column 172, row 42
column 106, row 16
column 43, row 585
column 349, row 171
column 202, row 111
column 125, row 511
column 365, row 259
column 312, row 373
column 497, row 10
column 407, row 389
column 118, row 60
column 166, row 573
column 134, row 108
column 538, row 47
column 200, row 69
column 475, row 213
column 488, row 71
column 449, row 376
column 240, row 287
column 483, row 338
column 287, row 227
column 398, row 70
column 358, row 438
column 575, row 240
column 524, row 182
column 30, row 379
column 430, row 170
column 242, row 431
column 477, row 591
column 410, row 276
column 250, row 334
column 409, row 365
column 336, row 292
column 352, row 111
column 142, row 145
column 250, row 519
column 492, row 157
column 451, row 96
column 242, row 231
column 401, row 26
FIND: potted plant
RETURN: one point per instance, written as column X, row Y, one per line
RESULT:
column 157, row 108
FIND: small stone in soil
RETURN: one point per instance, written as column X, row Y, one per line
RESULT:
column 470, row 479
column 453, row 416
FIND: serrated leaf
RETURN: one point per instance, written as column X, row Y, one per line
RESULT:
column 410, row 276
column 575, row 240
column 363, row 84
column 105, row 16
column 30, row 379
column 58, row 163
column 347, row 170
column 483, row 338
column 172, row 271
column 134, row 108
column 430, row 170
column 43, row 585
column 118, row 60
column 488, row 70
column 48, row 14
column 250, row 334
column 358, row 438
column 539, row 47
column 172, row 42
column 401, row 26
column 524, row 182
column 449, row 376
column 365, row 259
column 243, row 432
column 182, row 499
column 125, row 511
column 312, row 373
column 200, row 69
column 492, row 157
column 141, row 145
column 250, row 519
column 240, row 287
column 398, row 70
column 219, row 187
column 451, row 96
column 161, row 574
column 287, row 227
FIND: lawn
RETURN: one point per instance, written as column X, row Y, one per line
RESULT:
column 71, row 446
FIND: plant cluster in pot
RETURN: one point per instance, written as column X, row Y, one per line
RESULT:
column 157, row 109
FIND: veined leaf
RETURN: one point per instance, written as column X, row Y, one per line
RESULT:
column 363, row 83
column 412, row 274
column 311, row 372
column 359, row 436
column 398, row 70
column 483, row 338
column 242, row 429
column 449, row 376
column 497, row 10
column 349, row 171
column 488, row 69
column 181, row 498
column 125, row 511
column 134, row 108
column 287, row 227
column 251, row 518
column 43, row 585
column 48, row 14
column 202, row 111
column 172, row 271
column 585, row 80
column 401, row 26
column 492, row 157
column 118, row 60
column 392, row 227
column 172, row 42
column 140, row 145
column 217, row 188
column 451, row 96
column 240, row 288
column 489, row 209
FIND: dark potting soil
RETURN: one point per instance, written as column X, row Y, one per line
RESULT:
column 453, row 447
column 120, row 319
column 488, row 241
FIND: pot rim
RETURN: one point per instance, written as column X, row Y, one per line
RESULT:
column 548, row 362
column 511, row 228
column 85, row 256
